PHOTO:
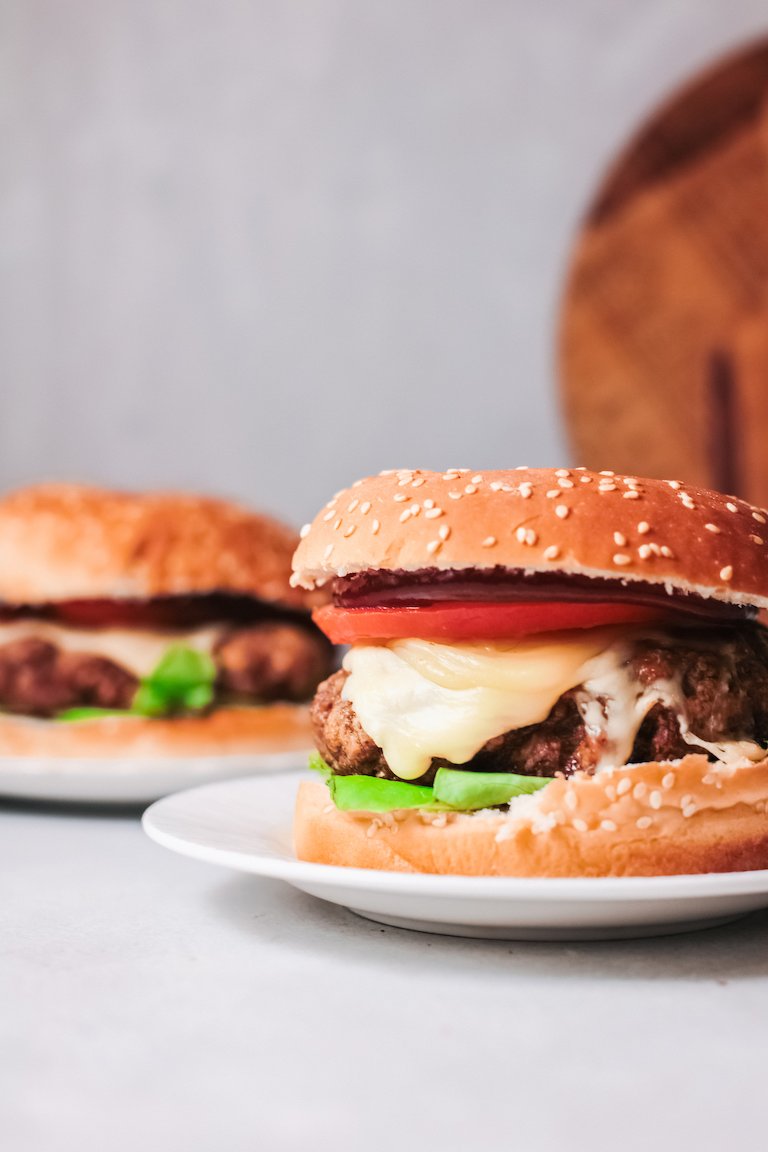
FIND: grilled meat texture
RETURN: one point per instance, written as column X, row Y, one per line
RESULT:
column 38, row 679
column 265, row 662
column 272, row 661
column 723, row 684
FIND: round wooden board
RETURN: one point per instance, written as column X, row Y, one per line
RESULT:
column 664, row 325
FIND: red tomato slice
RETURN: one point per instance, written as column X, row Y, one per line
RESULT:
column 474, row 621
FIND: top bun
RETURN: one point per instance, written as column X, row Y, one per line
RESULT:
column 67, row 542
column 564, row 520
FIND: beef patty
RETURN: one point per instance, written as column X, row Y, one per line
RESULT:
column 722, row 679
column 268, row 661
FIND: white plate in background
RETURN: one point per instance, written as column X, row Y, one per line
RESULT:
column 137, row 780
column 246, row 825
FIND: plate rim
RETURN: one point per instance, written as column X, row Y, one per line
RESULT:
column 608, row 889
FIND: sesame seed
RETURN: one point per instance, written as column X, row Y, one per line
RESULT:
column 712, row 528
column 579, row 824
column 759, row 517
column 477, row 479
column 405, row 515
column 400, row 496
column 668, row 781
column 620, row 539
column 365, row 507
column 585, row 479
column 552, row 493
column 607, row 472
column 526, row 491
column 496, row 486
column 404, row 482
column 417, row 483
column 375, row 527
column 644, row 551
column 621, row 559
column 655, row 799
column 337, row 524
column 606, row 486
column 304, row 531
column 470, row 489
column 562, row 472
column 444, row 532
column 665, row 551
column 433, row 513
column 520, row 534
column 329, row 515
column 674, row 484
column 454, row 495
column 350, row 530
column 531, row 537
column 685, row 800
column 639, row 790
column 730, row 506
column 327, row 552
column 708, row 778
column 726, row 573
column 563, row 483
column 429, row 503
column 623, row 785
column 552, row 552
column 643, row 527
column 757, row 539
column 352, row 504
column 608, row 825
column 489, row 542
column 433, row 546
column 690, row 810
column 631, row 494
column 562, row 511
column 643, row 822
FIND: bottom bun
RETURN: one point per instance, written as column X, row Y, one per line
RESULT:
column 227, row 731
column 640, row 820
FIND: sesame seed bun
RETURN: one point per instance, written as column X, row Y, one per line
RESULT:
column 224, row 731
column 543, row 520
column 66, row 542
column 641, row 820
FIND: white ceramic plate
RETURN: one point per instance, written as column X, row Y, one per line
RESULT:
column 246, row 825
column 128, row 781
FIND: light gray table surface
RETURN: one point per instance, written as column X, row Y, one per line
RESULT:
column 151, row 1002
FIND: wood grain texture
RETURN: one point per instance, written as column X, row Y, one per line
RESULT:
column 663, row 366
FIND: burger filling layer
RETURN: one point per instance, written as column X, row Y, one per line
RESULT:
column 51, row 670
column 545, row 706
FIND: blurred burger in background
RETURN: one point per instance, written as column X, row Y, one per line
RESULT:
column 153, row 624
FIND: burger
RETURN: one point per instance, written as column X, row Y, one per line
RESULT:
column 152, row 624
column 550, row 673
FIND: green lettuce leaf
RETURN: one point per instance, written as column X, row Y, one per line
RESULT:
column 182, row 681
column 471, row 790
column 370, row 794
column 91, row 713
column 454, row 790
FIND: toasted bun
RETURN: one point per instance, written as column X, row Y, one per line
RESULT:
column 641, row 820
column 225, row 731
column 543, row 520
column 66, row 542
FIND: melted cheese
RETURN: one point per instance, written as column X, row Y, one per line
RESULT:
column 421, row 700
column 133, row 649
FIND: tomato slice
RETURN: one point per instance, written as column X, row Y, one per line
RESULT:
column 475, row 620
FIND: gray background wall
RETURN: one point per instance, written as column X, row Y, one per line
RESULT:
column 264, row 247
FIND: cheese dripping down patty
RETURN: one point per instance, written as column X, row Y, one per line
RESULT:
column 422, row 700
